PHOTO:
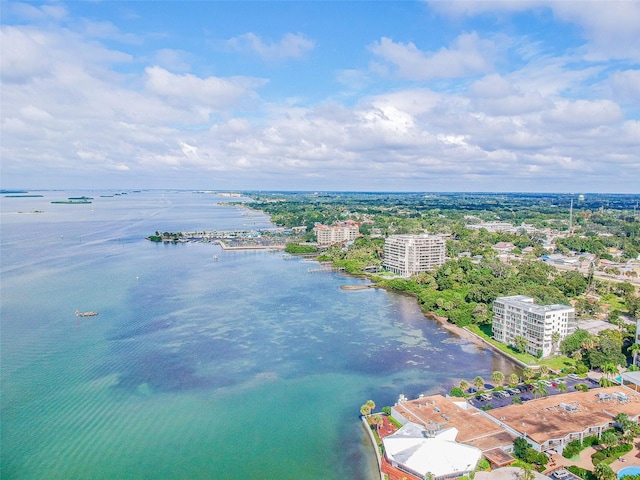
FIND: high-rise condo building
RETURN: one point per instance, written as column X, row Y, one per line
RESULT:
column 408, row 255
column 519, row 316
column 336, row 233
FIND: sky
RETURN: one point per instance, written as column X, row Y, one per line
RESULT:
column 518, row 96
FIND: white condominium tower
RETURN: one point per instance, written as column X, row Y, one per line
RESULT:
column 519, row 316
column 408, row 255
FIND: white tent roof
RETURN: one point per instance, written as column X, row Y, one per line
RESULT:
column 439, row 455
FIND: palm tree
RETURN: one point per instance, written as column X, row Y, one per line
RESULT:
column 605, row 382
column 464, row 385
column 365, row 410
column 478, row 382
column 497, row 377
column 540, row 389
column 590, row 343
column 604, row 472
column 513, row 379
column 562, row 387
column 376, row 420
column 544, row 370
column 528, row 373
column 624, row 421
column 371, row 404
column 609, row 369
column 609, row 439
column 526, row 473
column 521, row 343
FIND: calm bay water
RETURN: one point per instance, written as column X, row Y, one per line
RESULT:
column 245, row 367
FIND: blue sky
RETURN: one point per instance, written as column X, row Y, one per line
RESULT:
column 332, row 95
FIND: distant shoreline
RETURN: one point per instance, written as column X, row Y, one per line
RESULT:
column 252, row 247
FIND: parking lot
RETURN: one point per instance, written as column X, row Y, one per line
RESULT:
column 507, row 396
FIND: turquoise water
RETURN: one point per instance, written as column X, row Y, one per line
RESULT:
column 248, row 367
column 628, row 471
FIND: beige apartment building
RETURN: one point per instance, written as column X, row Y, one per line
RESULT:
column 408, row 255
column 518, row 315
column 339, row 232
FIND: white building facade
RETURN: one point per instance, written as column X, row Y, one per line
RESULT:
column 408, row 255
column 519, row 316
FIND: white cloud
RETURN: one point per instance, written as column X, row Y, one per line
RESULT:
column 610, row 27
column 584, row 114
column 26, row 11
column 290, row 46
column 68, row 107
column 173, row 60
column 495, row 95
column 24, row 54
column 625, row 86
column 201, row 94
column 468, row 55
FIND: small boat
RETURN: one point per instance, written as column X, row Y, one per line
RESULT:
column 86, row 314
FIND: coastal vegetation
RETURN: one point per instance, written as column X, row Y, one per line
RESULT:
column 298, row 249
column 463, row 289
column 165, row 237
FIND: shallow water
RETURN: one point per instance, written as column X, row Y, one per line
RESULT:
column 245, row 367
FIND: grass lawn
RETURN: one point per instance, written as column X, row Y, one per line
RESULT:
column 554, row 363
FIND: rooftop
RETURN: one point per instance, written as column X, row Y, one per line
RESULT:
column 544, row 418
column 473, row 427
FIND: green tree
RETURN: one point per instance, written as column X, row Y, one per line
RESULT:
column 520, row 447
column 624, row 422
column 521, row 343
column 609, row 369
column 602, row 471
column 377, row 421
column 456, row 392
column 478, row 382
column 464, row 385
column 573, row 342
column 526, row 473
column 609, row 439
column 497, row 377
column 528, row 373
column 540, row 390
column 371, row 404
column 365, row 410
column 513, row 379
column 615, row 318
column 562, row 387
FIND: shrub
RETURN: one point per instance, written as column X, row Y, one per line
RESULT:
column 608, row 455
column 581, row 472
column 582, row 387
column 590, row 441
column 299, row 249
column 483, row 465
column 573, row 448
column 581, row 368
column 456, row 392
